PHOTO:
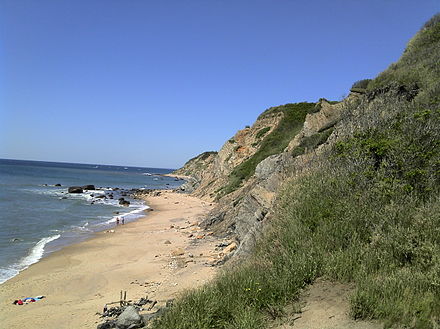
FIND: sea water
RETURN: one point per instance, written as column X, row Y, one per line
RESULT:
column 37, row 217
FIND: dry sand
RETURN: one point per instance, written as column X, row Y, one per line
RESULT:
column 78, row 280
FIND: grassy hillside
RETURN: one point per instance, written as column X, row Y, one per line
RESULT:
column 274, row 143
column 368, row 213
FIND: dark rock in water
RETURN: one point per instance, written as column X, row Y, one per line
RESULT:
column 89, row 187
column 124, row 203
column 101, row 197
column 107, row 325
column 57, row 184
column 130, row 318
column 63, row 198
column 121, row 199
column 75, row 189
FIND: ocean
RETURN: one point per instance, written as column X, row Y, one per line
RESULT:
column 37, row 217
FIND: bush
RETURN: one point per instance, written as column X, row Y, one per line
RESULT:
column 361, row 84
column 311, row 142
column 262, row 132
column 432, row 22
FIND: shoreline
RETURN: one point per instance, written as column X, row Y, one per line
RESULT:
column 157, row 256
column 59, row 240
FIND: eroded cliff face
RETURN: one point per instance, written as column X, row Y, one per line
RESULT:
column 209, row 172
column 242, row 213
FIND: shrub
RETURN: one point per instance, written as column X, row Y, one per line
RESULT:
column 311, row 142
column 432, row 22
column 262, row 132
column 361, row 84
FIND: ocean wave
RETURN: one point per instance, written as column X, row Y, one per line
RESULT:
column 131, row 215
column 34, row 256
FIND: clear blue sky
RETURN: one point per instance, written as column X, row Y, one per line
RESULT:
column 153, row 83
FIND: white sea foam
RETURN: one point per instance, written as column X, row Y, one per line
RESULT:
column 131, row 215
column 34, row 256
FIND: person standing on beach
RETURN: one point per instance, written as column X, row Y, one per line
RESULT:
column 123, row 220
column 117, row 220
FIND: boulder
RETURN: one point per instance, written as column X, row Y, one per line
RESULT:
column 75, row 189
column 124, row 203
column 88, row 187
column 57, row 184
column 130, row 318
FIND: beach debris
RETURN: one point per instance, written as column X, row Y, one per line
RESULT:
column 109, row 324
column 167, row 242
column 152, row 305
column 129, row 317
column 126, row 315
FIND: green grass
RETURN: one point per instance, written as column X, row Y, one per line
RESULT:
column 369, row 213
column 262, row 132
column 274, row 143
column 418, row 64
column 311, row 142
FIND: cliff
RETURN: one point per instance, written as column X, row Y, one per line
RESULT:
column 244, row 206
column 347, row 191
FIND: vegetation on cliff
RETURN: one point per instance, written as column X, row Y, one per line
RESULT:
column 368, row 212
column 274, row 143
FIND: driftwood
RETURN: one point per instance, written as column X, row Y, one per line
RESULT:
column 115, row 311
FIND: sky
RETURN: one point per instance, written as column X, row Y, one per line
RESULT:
column 154, row 83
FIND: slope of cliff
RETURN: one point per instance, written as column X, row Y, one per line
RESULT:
column 217, row 175
column 352, row 197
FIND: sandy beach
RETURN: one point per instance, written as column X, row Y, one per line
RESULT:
column 158, row 256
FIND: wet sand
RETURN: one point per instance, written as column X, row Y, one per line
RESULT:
column 137, row 257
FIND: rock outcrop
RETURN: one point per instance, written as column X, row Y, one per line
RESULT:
column 209, row 172
column 242, row 213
